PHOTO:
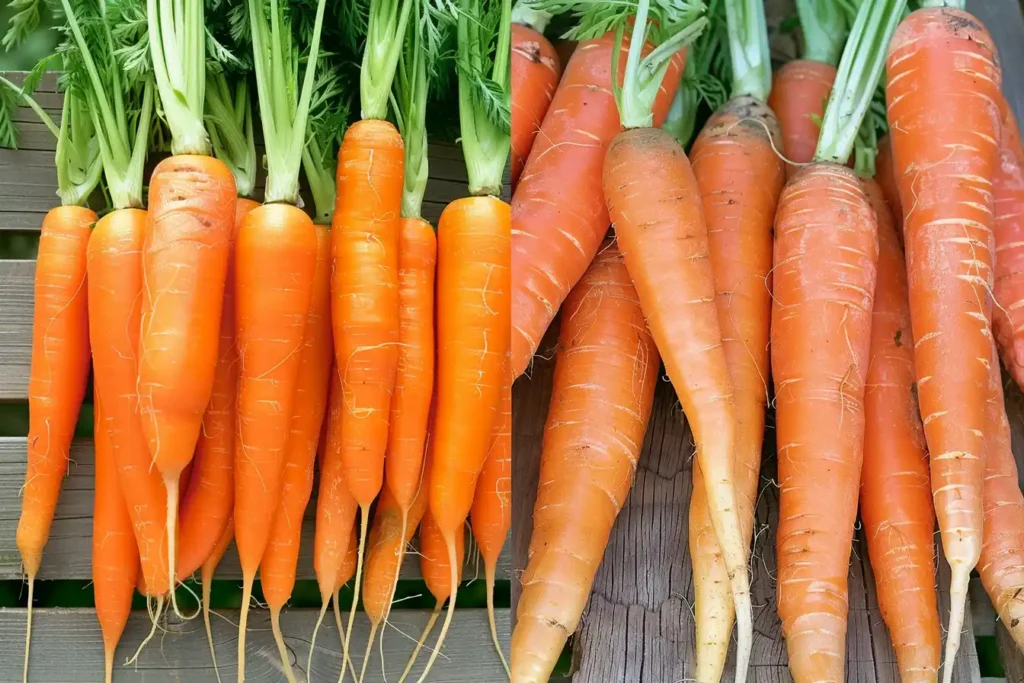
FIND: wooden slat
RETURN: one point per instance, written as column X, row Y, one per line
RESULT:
column 69, row 551
column 66, row 648
column 16, row 298
column 638, row 625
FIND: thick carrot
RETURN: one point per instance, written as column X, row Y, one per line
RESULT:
column 800, row 92
column 606, row 371
column 184, row 265
column 280, row 559
column 886, row 179
column 1008, row 232
column 535, row 73
column 559, row 216
column 740, row 179
column 1002, row 552
column 115, row 555
column 275, row 266
column 491, row 514
column 895, row 495
column 942, row 59
column 207, row 501
column 206, row 575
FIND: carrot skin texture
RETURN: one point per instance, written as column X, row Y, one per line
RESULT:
column 208, row 499
column 885, row 176
column 414, row 383
column 58, row 374
column 277, row 570
column 364, row 296
column 1002, row 552
column 740, row 179
column 943, row 60
column 800, row 91
column 491, row 514
column 276, row 260
column 434, row 558
column 115, row 555
column 115, row 294
column 895, row 495
column 558, row 213
column 473, row 246
column 606, row 371
column 656, row 209
column 1008, row 232
column 826, row 251
column 184, row 266
column 535, row 73
column 383, row 548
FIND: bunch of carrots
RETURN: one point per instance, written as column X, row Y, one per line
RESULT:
column 827, row 247
column 237, row 346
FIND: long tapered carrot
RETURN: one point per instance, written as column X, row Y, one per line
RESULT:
column 605, row 375
column 943, row 59
column 206, row 576
column 280, row 559
column 491, row 514
column 1008, row 233
column 275, row 264
column 207, row 500
column 1002, row 551
column 115, row 554
column 740, row 179
column 535, row 73
column 895, row 494
column 558, row 214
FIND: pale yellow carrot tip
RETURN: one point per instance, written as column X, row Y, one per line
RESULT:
column 108, row 664
column 172, row 542
column 154, row 618
column 369, row 650
column 312, row 640
column 28, row 624
column 242, row 622
column 209, row 626
column 454, row 568
column 489, row 571
column 958, row 585
column 423, row 639
column 364, row 514
column 282, row 649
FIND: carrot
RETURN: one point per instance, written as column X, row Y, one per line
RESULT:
column 491, row 514
column 276, row 267
column 1002, row 551
column 802, row 86
column 206, row 576
column 895, row 496
column 115, row 555
column 740, row 178
column 535, row 73
column 1008, row 232
column 553, row 245
column 886, row 180
column 208, row 498
column 826, row 254
column 280, row 559
column 945, row 168
column 606, row 371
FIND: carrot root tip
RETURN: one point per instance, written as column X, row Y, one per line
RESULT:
column 958, row 585
column 282, row 649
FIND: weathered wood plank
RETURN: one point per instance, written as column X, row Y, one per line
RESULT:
column 66, row 648
column 69, row 551
column 1005, row 22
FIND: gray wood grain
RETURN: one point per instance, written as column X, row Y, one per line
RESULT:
column 66, row 648
column 68, row 553
column 1005, row 23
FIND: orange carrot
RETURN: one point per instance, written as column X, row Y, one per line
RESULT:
column 884, row 176
column 207, row 500
column 115, row 555
column 895, row 495
column 559, row 216
column 535, row 72
column 1002, row 552
column 1008, row 232
column 491, row 514
column 606, row 371
column 740, row 178
column 280, row 559
column 945, row 166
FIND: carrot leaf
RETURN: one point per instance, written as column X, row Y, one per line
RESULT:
column 525, row 14
column 23, row 22
column 823, row 25
column 328, row 118
column 748, row 48
column 857, row 80
column 707, row 68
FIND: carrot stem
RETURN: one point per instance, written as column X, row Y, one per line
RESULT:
column 748, row 47
column 823, row 26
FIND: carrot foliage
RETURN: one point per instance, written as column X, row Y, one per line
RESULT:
column 748, row 48
column 824, row 27
column 704, row 76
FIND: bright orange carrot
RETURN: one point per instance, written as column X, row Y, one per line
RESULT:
column 207, row 501
column 895, row 495
column 606, row 371
column 558, row 212
column 491, row 514
column 1002, row 552
column 115, row 555
column 280, row 559
column 535, row 73
column 945, row 166
column 886, row 179
column 1008, row 232
column 740, row 178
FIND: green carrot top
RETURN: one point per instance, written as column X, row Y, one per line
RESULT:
column 381, row 25
column 328, row 118
column 748, row 49
column 704, row 76
column 856, row 82
column 824, row 28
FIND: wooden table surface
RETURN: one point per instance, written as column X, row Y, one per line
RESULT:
column 638, row 626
